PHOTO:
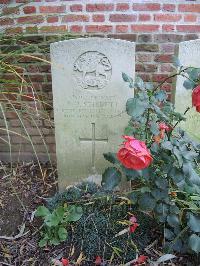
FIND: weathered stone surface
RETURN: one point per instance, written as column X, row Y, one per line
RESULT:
column 189, row 55
column 89, row 103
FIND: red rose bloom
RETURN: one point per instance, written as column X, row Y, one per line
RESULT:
column 134, row 154
column 65, row 262
column 196, row 98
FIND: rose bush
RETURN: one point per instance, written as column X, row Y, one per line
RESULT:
column 168, row 185
column 134, row 154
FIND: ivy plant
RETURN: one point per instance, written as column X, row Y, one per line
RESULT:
column 170, row 187
column 54, row 229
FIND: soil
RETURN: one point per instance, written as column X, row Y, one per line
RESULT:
column 20, row 194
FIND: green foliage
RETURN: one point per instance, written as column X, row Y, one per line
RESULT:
column 54, row 229
column 169, row 187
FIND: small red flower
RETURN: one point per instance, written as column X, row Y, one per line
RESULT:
column 163, row 126
column 141, row 260
column 133, row 227
column 134, row 224
column 196, row 98
column 65, row 262
column 98, row 260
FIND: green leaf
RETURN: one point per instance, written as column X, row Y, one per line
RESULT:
column 154, row 128
column 169, row 234
column 52, row 220
column 194, row 243
column 133, row 196
column 43, row 242
column 167, row 145
column 173, row 220
column 74, row 213
column 60, row 212
column 111, row 157
column 146, row 202
column 126, row 78
column 128, row 131
column 194, row 74
column 139, row 83
column 194, row 223
column 191, row 173
column 188, row 84
column 161, row 96
column 161, row 208
column 176, row 61
column 178, row 155
column 131, row 174
column 111, row 178
column 62, row 233
column 42, row 211
column 149, row 86
column 161, row 182
column 135, row 107
column 54, row 241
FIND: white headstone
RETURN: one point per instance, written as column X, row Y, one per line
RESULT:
column 189, row 56
column 89, row 97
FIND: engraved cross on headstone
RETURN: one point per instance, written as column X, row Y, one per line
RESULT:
column 93, row 140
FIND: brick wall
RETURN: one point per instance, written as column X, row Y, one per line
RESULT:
column 156, row 26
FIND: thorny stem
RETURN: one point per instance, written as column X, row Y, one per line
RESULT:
column 188, row 108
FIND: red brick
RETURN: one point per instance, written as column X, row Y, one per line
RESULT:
column 144, row 28
column 167, row 17
column 16, row 30
column 98, row 18
column 146, row 7
column 30, row 19
column 166, row 87
column 52, row 9
column 6, row 21
column 160, row 78
column 98, row 28
column 144, row 57
column 75, row 18
column 190, row 18
column 146, row 68
column 145, row 77
column 188, row 28
column 122, row 18
column 144, row 17
column 164, row 58
column 4, row 1
column 10, row 10
column 122, row 28
column 165, row 38
column 189, row 8
column 169, row 7
column 76, row 8
column 53, row 28
column 122, row 7
column 168, row 28
column 76, row 28
column 32, row 29
column 166, row 68
column 52, row 19
column 167, row 47
column 99, row 7
column 29, row 9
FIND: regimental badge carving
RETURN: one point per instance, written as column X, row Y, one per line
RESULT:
column 92, row 70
